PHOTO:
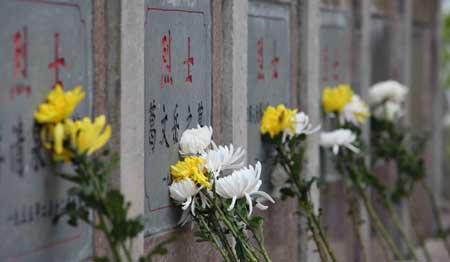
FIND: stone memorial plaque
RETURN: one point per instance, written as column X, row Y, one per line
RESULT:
column 268, row 73
column 334, row 67
column 177, row 95
column 380, row 49
column 41, row 43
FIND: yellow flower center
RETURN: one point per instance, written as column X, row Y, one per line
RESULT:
column 276, row 120
column 190, row 168
column 335, row 99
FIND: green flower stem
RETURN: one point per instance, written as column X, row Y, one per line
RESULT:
column 437, row 215
column 233, row 230
column 103, row 227
column 215, row 241
column 322, row 247
column 319, row 243
column 398, row 224
column 126, row 251
column 222, row 236
column 377, row 223
column 100, row 192
column 352, row 203
column 323, row 236
column 305, row 203
column 258, row 238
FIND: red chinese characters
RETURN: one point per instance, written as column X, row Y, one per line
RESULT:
column 325, row 63
column 336, row 66
column 260, row 59
column 189, row 61
column 20, row 42
column 275, row 61
column 166, row 66
column 58, row 61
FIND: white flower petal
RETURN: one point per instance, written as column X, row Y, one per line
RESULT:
column 338, row 138
column 233, row 202
column 261, row 206
column 301, row 126
column 242, row 183
column 224, row 158
column 195, row 140
column 250, row 204
column 387, row 91
column 353, row 109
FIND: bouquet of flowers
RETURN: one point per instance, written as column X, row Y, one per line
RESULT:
column 392, row 141
column 287, row 130
column 350, row 159
column 219, row 194
column 76, row 142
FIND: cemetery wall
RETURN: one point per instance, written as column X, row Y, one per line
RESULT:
column 228, row 59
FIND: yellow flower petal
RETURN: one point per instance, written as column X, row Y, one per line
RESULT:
column 335, row 99
column 58, row 138
column 59, row 105
column 190, row 168
column 276, row 120
column 101, row 140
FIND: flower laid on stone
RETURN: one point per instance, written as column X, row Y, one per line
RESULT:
column 347, row 145
column 277, row 120
column 243, row 183
column 220, row 204
column 387, row 91
column 339, row 138
column 342, row 102
column 387, row 100
column 335, row 99
column 195, row 140
column 59, row 106
column 90, row 200
column 355, row 112
column 287, row 131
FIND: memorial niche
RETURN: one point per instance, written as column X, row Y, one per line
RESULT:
column 334, row 67
column 41, row 43
column 177, row 95
column 269, row 79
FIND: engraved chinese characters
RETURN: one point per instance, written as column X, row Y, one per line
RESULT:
column 41, row 43
column 177, row 95
column 268, row 72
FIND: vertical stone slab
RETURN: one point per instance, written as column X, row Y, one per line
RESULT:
column 309, row 95
column 268, row 74
column 41, row 43
column 177, row 94
column 335, row 69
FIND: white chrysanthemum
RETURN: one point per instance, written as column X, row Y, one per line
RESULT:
column 301, row 126
column 184, row 192
column 387, row 91
column 243, row 183
column 195, row 140
column 355, row 112
column 337, row 138
column 389, row 111
column 223, row 158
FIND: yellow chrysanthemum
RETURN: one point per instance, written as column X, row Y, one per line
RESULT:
column 335, row 99
column 86, row 136
column 52, row 137
column 83, row 136
column 190, row 168
column 276, row 120
column 59, row 105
